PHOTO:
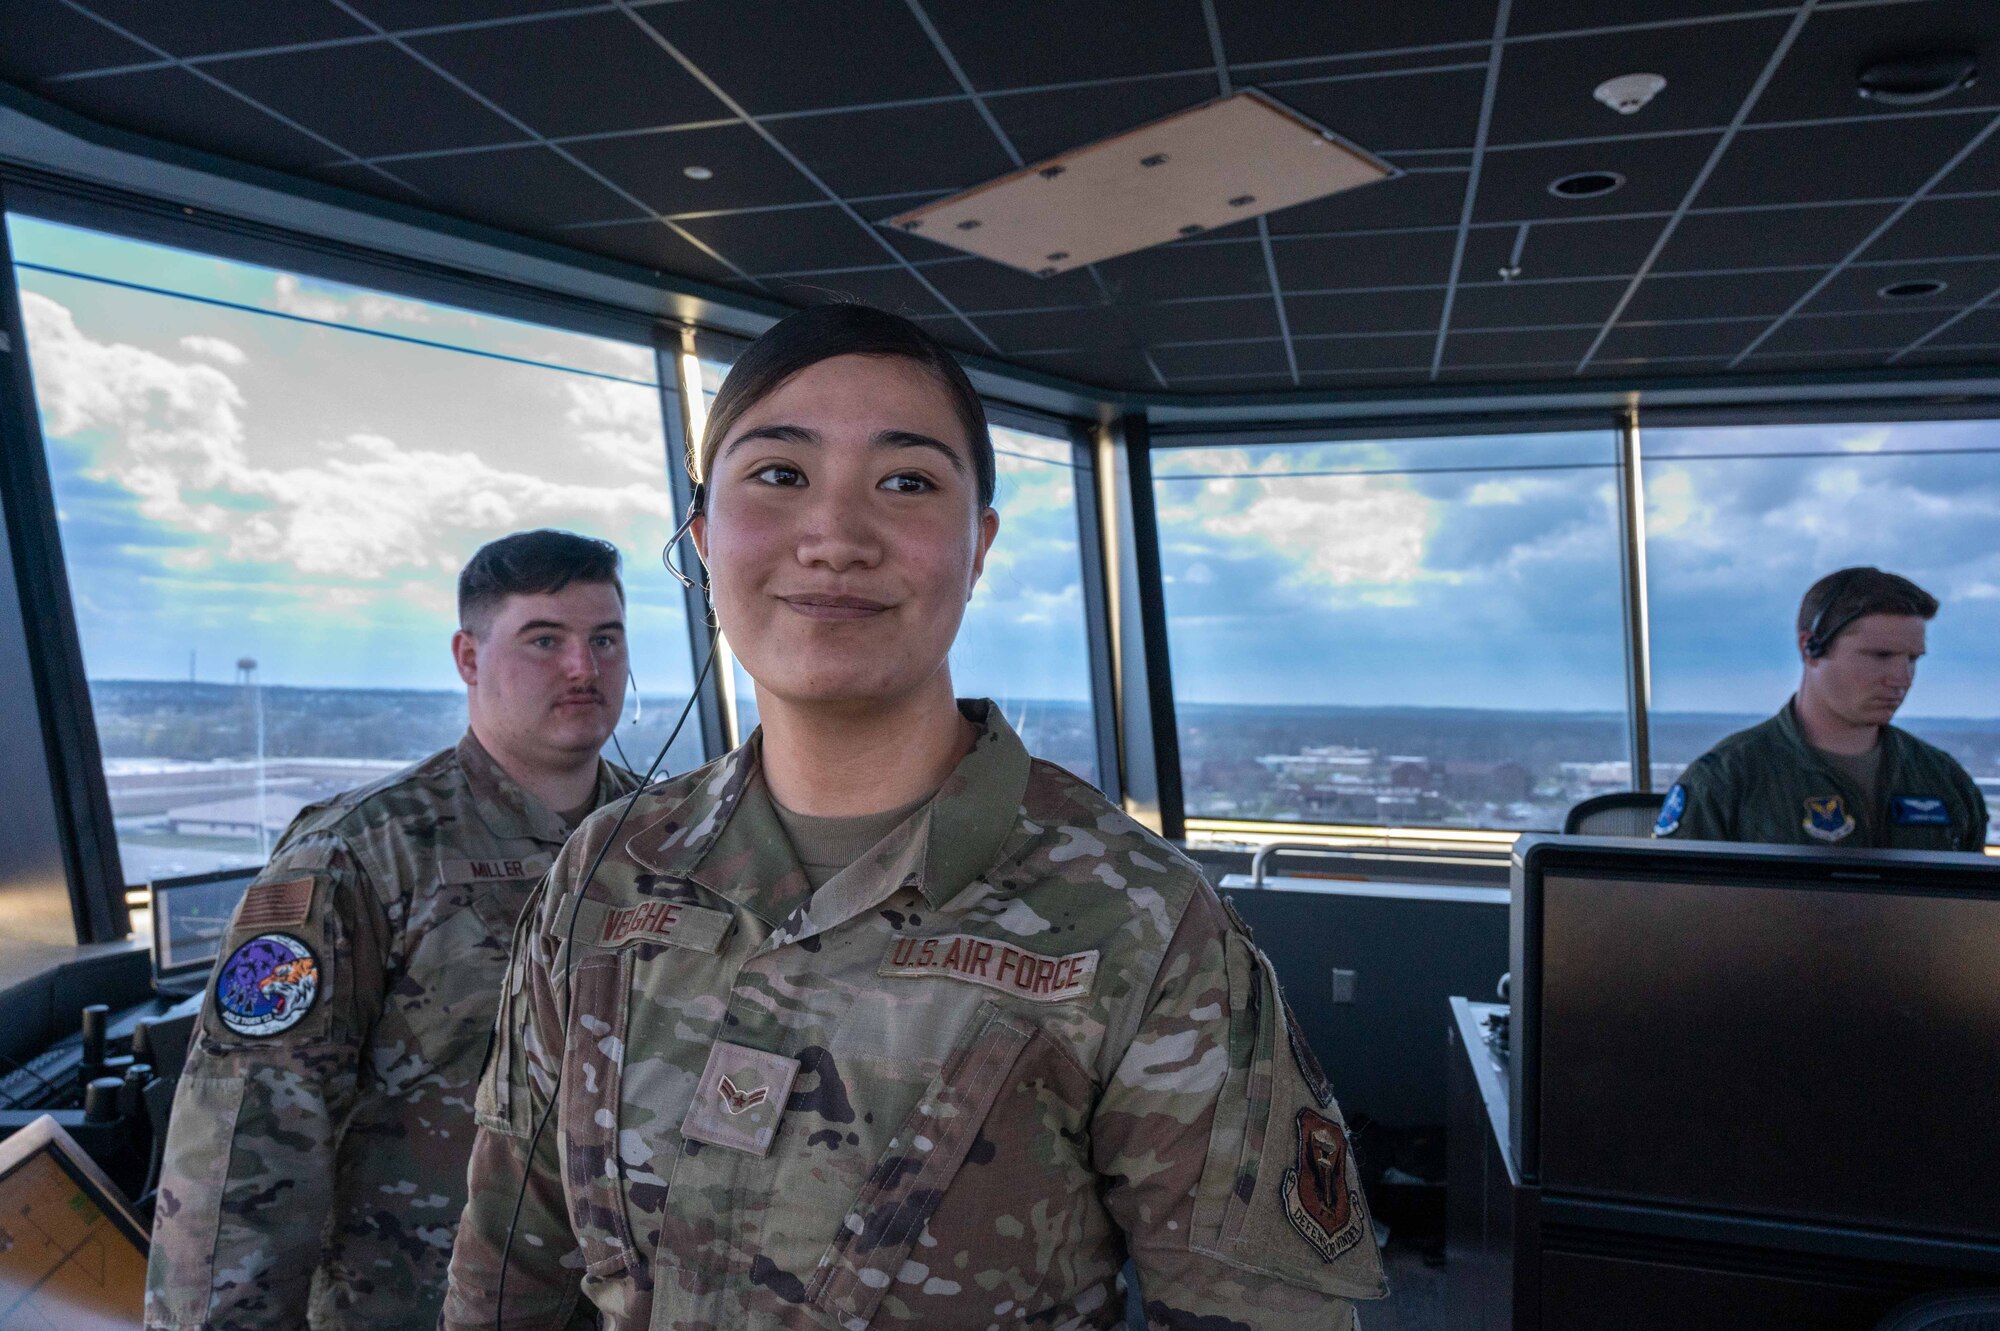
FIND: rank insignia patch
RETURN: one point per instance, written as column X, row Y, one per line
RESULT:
column 1671, row 811
column 267, row 986
column 1827, row 818
column 1918, row 811
column 740, row 1098
column 1318, row 1200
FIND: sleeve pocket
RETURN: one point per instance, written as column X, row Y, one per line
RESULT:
column 910, row 1181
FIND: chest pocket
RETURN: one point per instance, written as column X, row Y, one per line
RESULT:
column 450, row 987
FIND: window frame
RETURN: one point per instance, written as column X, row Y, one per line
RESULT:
column 100, row 898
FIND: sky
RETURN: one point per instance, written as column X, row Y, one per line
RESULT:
column 1499, row 586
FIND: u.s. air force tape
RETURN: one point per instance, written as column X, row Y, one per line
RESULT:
column 995, row 964
column 268, row 985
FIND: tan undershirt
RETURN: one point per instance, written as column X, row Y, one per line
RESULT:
column 825, row 846
column 1863, row 769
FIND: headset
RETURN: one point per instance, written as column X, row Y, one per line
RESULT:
column 695, row 507
column 1820, row 634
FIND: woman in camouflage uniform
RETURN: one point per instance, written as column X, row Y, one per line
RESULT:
column 877, row 1021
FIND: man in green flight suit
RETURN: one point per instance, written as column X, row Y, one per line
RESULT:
column 1829, row 769
column 315, row 1164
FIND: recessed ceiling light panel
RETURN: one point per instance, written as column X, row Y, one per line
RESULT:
column 1913, row 289
column 1235, row 157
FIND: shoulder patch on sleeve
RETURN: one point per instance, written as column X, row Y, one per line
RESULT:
column 268, row 985
column 1671, row 811
column 1322, row 1196
column 275, row 905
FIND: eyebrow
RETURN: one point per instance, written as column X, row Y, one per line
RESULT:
column 799, row 434
column 537, row 625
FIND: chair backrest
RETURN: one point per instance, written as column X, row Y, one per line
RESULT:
column 1621, row 813
column 1955, row 1310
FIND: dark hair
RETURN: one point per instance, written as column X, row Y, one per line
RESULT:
column 528, row 563
column 1841, row 597
column 802, row 340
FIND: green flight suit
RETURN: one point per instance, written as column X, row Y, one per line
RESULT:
column 1767, row 784
column 952, row 1088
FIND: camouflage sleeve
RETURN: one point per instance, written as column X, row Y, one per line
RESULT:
column 246, row 1183
column 1225, row 1156
column 516, row 1217
column 1698, row 806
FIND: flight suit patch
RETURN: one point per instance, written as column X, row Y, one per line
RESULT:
column 1918, row 811
column 275, row 905
column 1318, row 1199
column 740, row 1098
column 494, row 870
column 1671, row 810
column 996, row 965
column 267, row 986
column 1827, row 818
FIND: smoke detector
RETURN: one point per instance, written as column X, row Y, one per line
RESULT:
column 1629, row 92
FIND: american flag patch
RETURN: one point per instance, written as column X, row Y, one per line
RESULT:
column 270, row 904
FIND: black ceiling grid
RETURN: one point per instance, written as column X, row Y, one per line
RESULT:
column 1767, row 219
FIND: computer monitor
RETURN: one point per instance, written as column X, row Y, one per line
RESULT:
column 72, row 1254
column 1800, row 1034
column 190, row 917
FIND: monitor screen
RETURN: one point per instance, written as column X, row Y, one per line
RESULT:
column 72, row 1257
column 190, row 916
column 1827, row 1051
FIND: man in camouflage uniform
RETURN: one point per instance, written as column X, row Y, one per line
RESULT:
column 953, row 1087
column 1829, row 769
column 315, row 1165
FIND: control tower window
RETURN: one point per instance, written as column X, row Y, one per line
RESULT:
column 1399, row 632
column 1741, row 520
column 266, row 485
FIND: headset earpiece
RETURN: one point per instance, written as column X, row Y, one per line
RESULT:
column 1820, row 634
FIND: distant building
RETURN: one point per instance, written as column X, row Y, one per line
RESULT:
column 235, row 817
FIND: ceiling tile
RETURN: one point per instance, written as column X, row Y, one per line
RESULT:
column 1229, row 268
column 1870, row 332
column 1049, row 124
column 1545, row 16
column 1261, row 358
column 790, row 240
column 1979, row 328
column 1256, row 30
column 371, row 99
column 771, row 56
column 1941, row 229
column 651, row 245
column 1980, row 171
column 1382, row 260
column 1707, row 241
column 1354, row 355
column 174, row 105
column 1817, row 79
column 748, row 172
column 396, row 15
column 1514, row 185
column 43, row 37
column 1014, row 43
column 536, row 69
column 1660, row 367
column 1052, row 330
column 1472, row 348
column 1366, row 312
column 1391, row 114
column 204, row 27
column 1947, row 357
column 532, row 189
column 1859, row 287
column 1532, row 304
column 1101, row 367
column 1546, row 87
column 897, row 150
column 1733, row 295
column 892, row 289
column 1871, row 159
column 1203, row 320
column 978, row 284
column 1657, row 341
column 1611, row 247
column 1820, row 362
column 1428, row 198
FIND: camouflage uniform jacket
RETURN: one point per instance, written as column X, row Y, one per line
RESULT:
column 315, row 1163
column 952, row 1088
column 1767, row 784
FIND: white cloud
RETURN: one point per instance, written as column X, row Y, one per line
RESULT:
column 290, row 296
column 363, row 508
column 619, row 423
column 1338, row 530
column 215, row 348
